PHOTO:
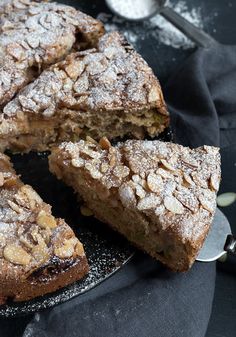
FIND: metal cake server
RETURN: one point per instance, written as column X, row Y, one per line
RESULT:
column 219, row 241
column 138, row 10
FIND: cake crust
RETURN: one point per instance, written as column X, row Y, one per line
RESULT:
column 161, row 196
column 38, row 253
column 34, row 35
column 108, row 91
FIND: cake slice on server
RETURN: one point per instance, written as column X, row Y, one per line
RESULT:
column 160, row 196
column 38, row 253
column 107, row 91
column 34, row 35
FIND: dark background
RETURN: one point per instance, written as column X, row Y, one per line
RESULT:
column 219, row 20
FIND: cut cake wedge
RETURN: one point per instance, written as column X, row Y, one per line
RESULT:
column 108, row 91
column 38, row 253
column 161, row 196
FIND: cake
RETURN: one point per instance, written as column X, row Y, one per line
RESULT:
column 38, row 253
column 105, row 91
column 34, row 35
column 160, row 196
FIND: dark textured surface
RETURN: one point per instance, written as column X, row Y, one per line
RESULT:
column 164, row 60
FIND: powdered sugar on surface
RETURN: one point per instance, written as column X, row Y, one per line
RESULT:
column 157, row 27
column 106, row 253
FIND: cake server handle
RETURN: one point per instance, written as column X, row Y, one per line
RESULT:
column 196, row 34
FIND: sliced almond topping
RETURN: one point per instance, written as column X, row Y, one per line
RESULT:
column 188, row 179
column 2, row 240
column 167, row 165
column 112, row 161
column 149, row 202
column 104, row 167
column 67, row 249
column 199, row 180
column 155, row 182
column 91, row 140
column 1, row 179
column 154, row 95
column 173, row 205
column 189, row 162
column 121, row 171
column 16, row 255
column 95, row 174
column 45, row 220
column 140, row 192
column 14, row 206
column 206, row 203
column 40, row 251
column 33, row 197
column 75, row 69
column 77, row 162
column 104, row 143
column 164, row 174
column 79, row 249
column 160, row 210
column 226, row 199
column 214, row 181
column 127, row 195
column 26, row 242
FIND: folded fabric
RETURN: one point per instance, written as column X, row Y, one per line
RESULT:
column 201, row 97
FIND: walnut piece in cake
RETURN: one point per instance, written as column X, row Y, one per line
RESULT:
column 160, row 196
column 108, row 91
column 34, row 35
column 38, row 253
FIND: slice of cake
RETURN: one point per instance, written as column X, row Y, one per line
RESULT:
column 36, row 34
column 38, row 253
column 161, row 196
column 98, row 92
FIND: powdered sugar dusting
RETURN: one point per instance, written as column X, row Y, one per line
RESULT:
column 106, row 253
column 157, row 27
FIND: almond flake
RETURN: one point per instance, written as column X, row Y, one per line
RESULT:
column 173, row 205
column 104, row 167
column 104, row 143
column 45, row 220
column 77, row 162
column 188, row 179
column 127, row 195
column 140, row 191
column 75, row 69
column 149, row 202
column 67, row 249
column 160, row 210
column 16, row 255
column 121, row 171
column 155, row 182
column 1, row 179
column 214, row 181
column 167, row 165
column 164, row 174
column 79, row 249
column 154, row 95
column 14, row 206
column 206, row 203
column 226, row 199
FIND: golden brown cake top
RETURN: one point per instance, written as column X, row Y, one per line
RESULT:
column 111, row 77
column 173, row 185
column 34, row 34
column 30, row 236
